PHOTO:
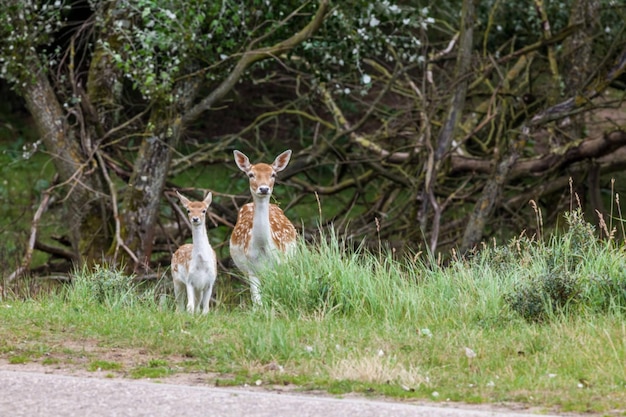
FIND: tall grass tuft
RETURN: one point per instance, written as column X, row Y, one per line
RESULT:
column 329, row 279
column 110, row 288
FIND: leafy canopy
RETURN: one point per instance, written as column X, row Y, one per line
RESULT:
column 154, row 43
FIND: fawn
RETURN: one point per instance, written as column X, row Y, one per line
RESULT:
column 194, row 266
column 262, row 228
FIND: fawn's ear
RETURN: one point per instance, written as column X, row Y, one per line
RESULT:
column 208, row 199
column 242, row 161
column 184, row 200
column 282, row 160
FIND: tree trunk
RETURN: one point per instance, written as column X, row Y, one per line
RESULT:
column 78, row 174
column 104, row 81
column 491, row 193
column 449, row 128
column 143, row 195
column 578, row 50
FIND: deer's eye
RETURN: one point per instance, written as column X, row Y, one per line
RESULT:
column 204, row 211
column 188, row 211
column 273, row 175
column 251, row 175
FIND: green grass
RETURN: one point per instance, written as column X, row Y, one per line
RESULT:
column 100, row 365
column 18, row 359
column 534, row 322
column 155, row 368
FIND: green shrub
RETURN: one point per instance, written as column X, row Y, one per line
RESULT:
column 538, row 298
column 564, row 274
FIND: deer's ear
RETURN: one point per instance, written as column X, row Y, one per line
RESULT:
column 208, row 199
column 281, row 161
column 184, row 200
column 242, row 161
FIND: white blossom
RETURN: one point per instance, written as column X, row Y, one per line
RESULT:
column 170, row 14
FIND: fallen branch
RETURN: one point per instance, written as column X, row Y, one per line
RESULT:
column 25, row 265
column 588, row 148
column 55, row 250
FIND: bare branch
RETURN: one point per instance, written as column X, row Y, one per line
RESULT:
column 119, row 242
column 579, row 102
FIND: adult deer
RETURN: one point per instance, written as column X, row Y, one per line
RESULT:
column 262, row 229
column 194, row 265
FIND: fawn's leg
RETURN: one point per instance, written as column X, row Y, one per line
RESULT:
column 191, row 299
column 206, row 299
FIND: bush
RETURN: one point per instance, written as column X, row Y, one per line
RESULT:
column 567, row 269
column 541, row 297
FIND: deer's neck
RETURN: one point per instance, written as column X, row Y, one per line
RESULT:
column 201, row 246
column 261, row 230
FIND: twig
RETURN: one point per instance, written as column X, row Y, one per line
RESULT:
column 119, row 242
column 346, row 128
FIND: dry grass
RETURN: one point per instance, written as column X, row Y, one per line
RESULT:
column 378, row 369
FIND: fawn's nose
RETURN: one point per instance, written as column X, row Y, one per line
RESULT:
column 195, row 220
column 264, row 190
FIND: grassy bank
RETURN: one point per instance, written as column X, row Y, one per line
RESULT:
column 533, row 322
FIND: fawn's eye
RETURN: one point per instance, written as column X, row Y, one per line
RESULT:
column 251, row 175
column 273, row 175
column 204, row 211
column 188, row 211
